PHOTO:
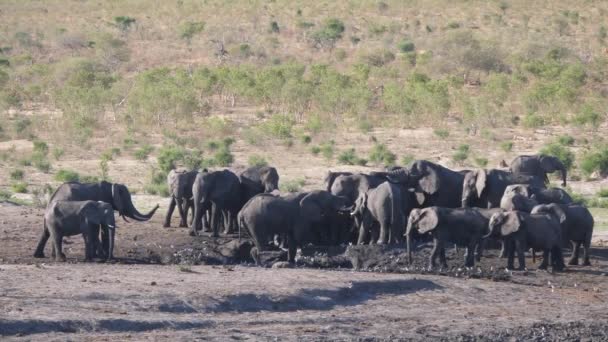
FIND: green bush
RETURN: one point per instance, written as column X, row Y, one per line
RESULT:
column 462, row 153
column 63, row 175
column 168, row 156
column 294, row 185
column 58, row 152
column 481, row 162
column 349, row 157
column 5, row 195
column 329, row 33
column 533, row 121
column 40, row 162
column 565, row 140
column 407, row 159
column 406, row 46
column 306, row 139
column 256, row 160
column 143, row 152
column 19, row 187
column 378, row 58
column 274, row 27
column 595, row 160
column 588, row 116
column 21, row 124
column 189, row 29
column 223, row 157
column 602, row 193
column 561, row 152
column 41, row 147
column 157, row 184
column 278, row 126
column 315, row 150
column 124, row 23
column 17, row 174
column 327, row 150
column 506, row 146
column 380, row 154
column 441, row 132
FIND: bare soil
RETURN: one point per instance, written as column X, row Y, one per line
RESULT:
column 146, row 295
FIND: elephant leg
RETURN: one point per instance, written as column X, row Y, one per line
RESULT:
column 190, row 207
column 169, row 213
column 57, row 242
column 434, row 253
column 383, row 238
column 558, row 259
column 479, row 250
column 182, row 214
column 575, row 250
column 545, row 262
column 39, row 253
column 521, row 254
column 216, row 214
column 206, row 221
column 586, row 246
column 362, row 234
column 88, row 246
column 510, row 250
column 442, row 258
column 502, row 249
column 470, row 259
column 197, row 218
column 291, row 248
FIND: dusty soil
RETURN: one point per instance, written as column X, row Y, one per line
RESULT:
column 146, row 295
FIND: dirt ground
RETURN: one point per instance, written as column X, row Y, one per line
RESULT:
column 145, row 295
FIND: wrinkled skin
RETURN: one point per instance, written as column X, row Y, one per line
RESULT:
column 330, row 177
column 266, row 215
column 461, row 226
column 541, row 195
column 256, row 180
column 540, row 231
column 180, row 186
column 485, row 188
column 219, row 192
column 68, row 218
column 538, row 165
column 114, row 194
column 381, row 206
column 514, row 199
column 577, row 228
column 436, row 185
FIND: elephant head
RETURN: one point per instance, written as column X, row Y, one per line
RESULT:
column 424, row 177
column 360, row 205
column 102, row 213
column 319, row 203
column 552, row 209
column 121, row 201
column 550, row 164
column 517, row 197
column 504, row 224
column 269, row 178
column 424, row 220
column 473, row 186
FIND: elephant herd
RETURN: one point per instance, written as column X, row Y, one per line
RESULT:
column 400, row 205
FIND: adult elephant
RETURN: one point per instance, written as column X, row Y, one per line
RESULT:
column 485, row 188
column 256, row 180
column 266, row 215
column 577, row 228
column 219, row 192
column 541, row 194
column 538, row 165
column 514, row 199
column 117, row 195
column 436, row 185
column 461, row 226
column 331, row 176
column 180, row 186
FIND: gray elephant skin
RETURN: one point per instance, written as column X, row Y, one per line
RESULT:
column 117, row 195
column 577, row 228
column 383, row 207
column 219, row 192
column 68, row 218
column 540, row 231
column 461, row 226
column 436, row 185
column 539, row 165
column 541, row 194
column 256, row 180
column 267, row 215
column 485, row 188
column 180, row 186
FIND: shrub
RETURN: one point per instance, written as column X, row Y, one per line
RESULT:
column 380, row 154
column 602, row 193
column 40, row 162
column 189, row 29
column 223, row 157
column 329, row 33
column 481, row 162
column 63, row 175
column 41, row 147
column 278, row 126
column 561, row 152
column 462, row 153
column 407, row 159
column 378, row 58
column 5, row 195
column 595, row 160
column 274, row 27
column 566, row 140
column 17, row 174
column 143, row 152
column 453, row 25
column 256, row 160
column 168, row 156
column 533, row 121
column 21, row 124
column 327, row 150
column 306, row 139
column 315, row 150
column 441, row 132
column 506, row 146
column 124, row 23
column 294, row 185
column 406, row 46
column 349, row 157
column 587, row 116
column 157, row 184
column 19, row 187
column 58, row 152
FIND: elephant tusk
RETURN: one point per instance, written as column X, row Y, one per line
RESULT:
column 124, row 218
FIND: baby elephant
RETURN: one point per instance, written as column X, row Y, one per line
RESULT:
column 383, row 206
column 67, row 218
column 540, row 231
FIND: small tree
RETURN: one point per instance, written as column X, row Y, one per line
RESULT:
column 124, row 23
column 189, row 29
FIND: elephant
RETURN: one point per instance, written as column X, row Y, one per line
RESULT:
column 117, row 195
column 382, row 205
column 180, row 186
column 67, row 218
column 485, row 188
column 514, row 199
column 219, row 192
column 256, row 180
column 538, row 165
column 577, row 228
column 462, row 226
column 330, row 177
column 540, row 231
column 541, row 194
column 436, row 185
column 267, row 215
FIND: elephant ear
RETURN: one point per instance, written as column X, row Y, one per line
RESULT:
column 91, row 213
column 428, row 220
column 116, row 197
column 430, row 182
column 480, row 183
column 310, row 208
column 511, row 223
column 360, row 203
column 557, row 212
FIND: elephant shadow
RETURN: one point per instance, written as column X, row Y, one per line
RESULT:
column 357, row 293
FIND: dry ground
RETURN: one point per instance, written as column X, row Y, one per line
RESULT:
column 133, row 299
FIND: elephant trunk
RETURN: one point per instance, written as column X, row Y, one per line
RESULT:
column 564, row 175
column 408, row 235
column 136, row 215
column 490, row 232
column 111, row 232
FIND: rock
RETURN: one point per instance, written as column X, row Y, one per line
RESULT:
column 282, row 264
